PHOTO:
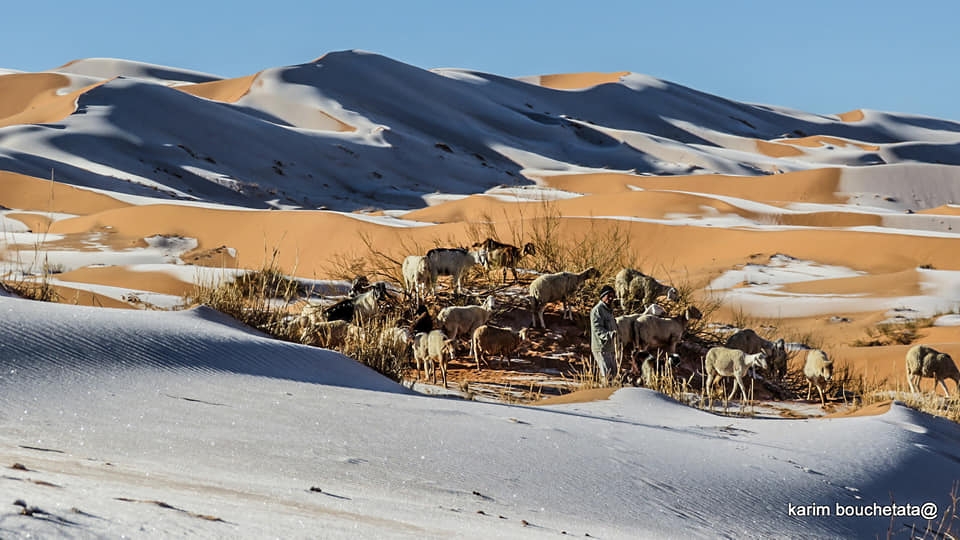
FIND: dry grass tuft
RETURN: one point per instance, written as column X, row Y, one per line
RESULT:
column 894, row 333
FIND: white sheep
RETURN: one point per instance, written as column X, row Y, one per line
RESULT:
column 557, row 287
column 818, row 370
column 750, row 342
column 430, row 349
column 652, row 332
column 724, row 362
column 924, row 361
column 489, row 339
column 452, row 262
column 626, row 333
column 456, row 320
column 416, row 277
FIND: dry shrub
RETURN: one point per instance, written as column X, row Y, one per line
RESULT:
column 38, row 288
column 253, row 299
column 587, row 376
column 369, row 347
column 893, row 333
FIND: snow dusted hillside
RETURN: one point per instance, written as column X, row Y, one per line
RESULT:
column 354, row 130
column 117, row 423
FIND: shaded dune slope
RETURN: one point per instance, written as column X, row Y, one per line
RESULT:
column 66, row 345
column 352, row 129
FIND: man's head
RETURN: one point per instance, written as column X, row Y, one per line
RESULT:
column 607, row 294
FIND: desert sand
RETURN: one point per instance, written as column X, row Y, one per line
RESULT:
column 126, row 184
column 669, row 221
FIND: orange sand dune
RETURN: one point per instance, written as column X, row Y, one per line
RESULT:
column 226, row 90
column 641, row 204
column 870, row 410
column 28, row 193
column 577, row 81
column 119, row 276
column 34, row 222
column 777, row 150
column 231, row 90
column 31, row 98
column 580, row 396
column 70, row 295
column 303, row 238
column 818, row 185
column 855, row 115
column 701, row 251
column 828, row 219
column 817, row 141
column 944, row 210
column 638, row 204
column 904, row 283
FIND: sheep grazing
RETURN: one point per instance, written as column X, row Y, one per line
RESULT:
column 489, row 339
column 452, row 262
column 724, row 362
column 431, row 349
column 818, row 370
column 625, row 333
column 664, row 333
column 456, row 320
column 496, row 254
column 621, row 283
column 750, row 342
column 924, row 361
column 361, row 308
column 417, row 277
column 648, row 290
column 557, row 287
column 636, row 289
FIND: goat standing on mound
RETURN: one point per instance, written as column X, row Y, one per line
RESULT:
column 556, row 288
column 416, row 277
column 456, row 320
column 431, row 349
column 489, row 339
column 637, row 290
column 454, row 262
column 723, row 362
column 750, row 342
column 497, row 254
column 665, row 333
column 924, row 361
column 818, row 370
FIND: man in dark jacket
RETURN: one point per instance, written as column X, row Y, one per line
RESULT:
column 603, row 334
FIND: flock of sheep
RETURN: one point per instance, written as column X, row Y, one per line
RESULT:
column 646, row 334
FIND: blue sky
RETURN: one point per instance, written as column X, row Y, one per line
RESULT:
column 815, row 55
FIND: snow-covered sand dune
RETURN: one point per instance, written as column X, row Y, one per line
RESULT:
column 163, row 424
